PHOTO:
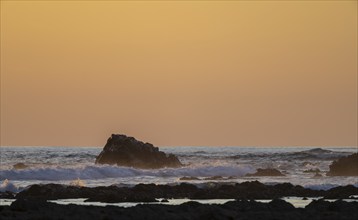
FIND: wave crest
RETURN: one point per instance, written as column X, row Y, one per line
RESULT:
column 106, row 171
column 6, row 185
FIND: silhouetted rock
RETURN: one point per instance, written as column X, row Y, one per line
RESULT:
column 215, row 178
column 278, row 204
column 345, row 166
column 239, row 209
column 20, row 166
column 189, row 178
column 7, row 195
column 149, row 192
column 127, row 151
column 317, row 151
column 341, row 192
column 22, row 205
column 266, row 172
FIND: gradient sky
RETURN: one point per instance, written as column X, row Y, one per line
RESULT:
column 179, row 73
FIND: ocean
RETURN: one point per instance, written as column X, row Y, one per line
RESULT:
column 76, row 166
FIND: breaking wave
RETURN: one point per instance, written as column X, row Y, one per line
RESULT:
column 106, row 171
column 312, row 154
column 6, row 185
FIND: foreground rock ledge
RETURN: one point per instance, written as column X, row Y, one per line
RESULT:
column 127, row 151
column 149, row 192
column 239, row 209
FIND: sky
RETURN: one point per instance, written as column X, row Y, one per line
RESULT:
column 179, row 73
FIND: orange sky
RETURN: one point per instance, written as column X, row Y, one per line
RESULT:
column 179, row 73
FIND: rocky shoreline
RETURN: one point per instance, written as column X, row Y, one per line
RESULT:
column 239, row 209
column 150, row 192
column 32, row 203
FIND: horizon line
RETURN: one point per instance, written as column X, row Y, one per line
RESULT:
column 248, row 146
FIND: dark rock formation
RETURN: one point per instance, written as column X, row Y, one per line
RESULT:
column 149, row 192
column 215, row 178
column 345, row 166
column 340, row 192
column 239, row 209
column 317, row 151
column 266, row 172
column 7, row 195
column 184, row 178
column 20, row 166
column 127, row 151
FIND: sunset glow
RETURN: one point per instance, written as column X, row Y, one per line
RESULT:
column 179, row 73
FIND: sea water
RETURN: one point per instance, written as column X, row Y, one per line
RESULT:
column 76, row 166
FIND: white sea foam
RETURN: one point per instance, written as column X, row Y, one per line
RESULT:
column 78, row 182
column 6, row 185
column 102, row 172
column 65, row 164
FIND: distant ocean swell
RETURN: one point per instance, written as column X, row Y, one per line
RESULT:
column 102, row 172
column 65, row 164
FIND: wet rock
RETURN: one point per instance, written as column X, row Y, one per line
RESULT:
column 317, row 175
column 215, row 178
column 189, row 178
column 240, row 209
column 266, row 172
column 122, row 150
column 7, row 195
column 345, row 166
column 20, row 166
column 341, row 192
column 317, row 151
column 22, row 205
column 47, row 191
column 278, row 204
column 149, row 192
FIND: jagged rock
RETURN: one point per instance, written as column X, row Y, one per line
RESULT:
column 341, row 192
column 240, row 209
column 266, row 172
column 20, row 166
column 149, row 192
column 127, row 151
column 345, row 166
